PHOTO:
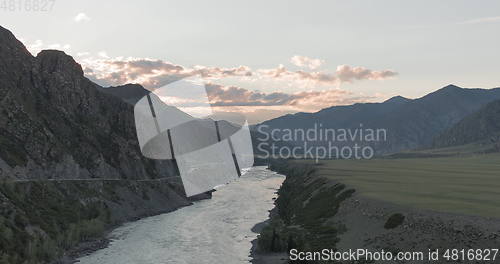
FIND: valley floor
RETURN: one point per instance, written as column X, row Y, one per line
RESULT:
column 365, row 219
column 457, row 184
column 398, row 205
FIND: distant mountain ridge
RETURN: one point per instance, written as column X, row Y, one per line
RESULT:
column 481, row 126
column 410, row 123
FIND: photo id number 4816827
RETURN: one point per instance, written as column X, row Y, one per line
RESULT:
column 27, row 5
column 471, row 254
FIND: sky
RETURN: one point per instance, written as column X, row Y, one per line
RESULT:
column 268, row 58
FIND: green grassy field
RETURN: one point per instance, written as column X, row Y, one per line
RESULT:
column 465, row 185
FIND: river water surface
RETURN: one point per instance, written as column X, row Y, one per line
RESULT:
column 210, row 231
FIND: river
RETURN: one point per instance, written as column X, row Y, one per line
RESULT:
column 210, row 231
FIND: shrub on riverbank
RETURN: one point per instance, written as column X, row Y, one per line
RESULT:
column 41, row 220
column 304, row 209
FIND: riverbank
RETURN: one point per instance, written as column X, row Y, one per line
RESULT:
column 314, row 212
column 265, row 257
column 86, row 248
column 303, row 212
column 217, row 230
column 51, row 221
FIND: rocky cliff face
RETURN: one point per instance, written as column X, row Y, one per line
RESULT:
column 70, row 163
column 55, row 123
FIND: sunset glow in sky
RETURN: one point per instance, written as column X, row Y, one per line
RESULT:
column 268, row 58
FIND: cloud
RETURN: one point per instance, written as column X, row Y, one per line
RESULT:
column 306, row 62
column 58, row 46
column 347, row 73
column 343, row 73
column 82, row 54
column 216, row 72
column 235, row 96
column 278, row 72
column 257, row 106
column 103, row 54
column 154, row 73
column 151, row 73
column 231, row 96
column 81, row 17
column 38, row 45
column 481, row 20
column 35, row 47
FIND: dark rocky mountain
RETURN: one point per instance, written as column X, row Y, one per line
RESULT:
column 56, row 123
column 481, row 126
column 409, row 123
column 130, row 93
column 398, row 100
column 70, row 163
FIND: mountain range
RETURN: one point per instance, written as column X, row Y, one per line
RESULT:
column 482, row 126
column 410, row 123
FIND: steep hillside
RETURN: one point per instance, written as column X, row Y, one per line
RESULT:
column 481, row 126
column 55, row 123
column 70, row 163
